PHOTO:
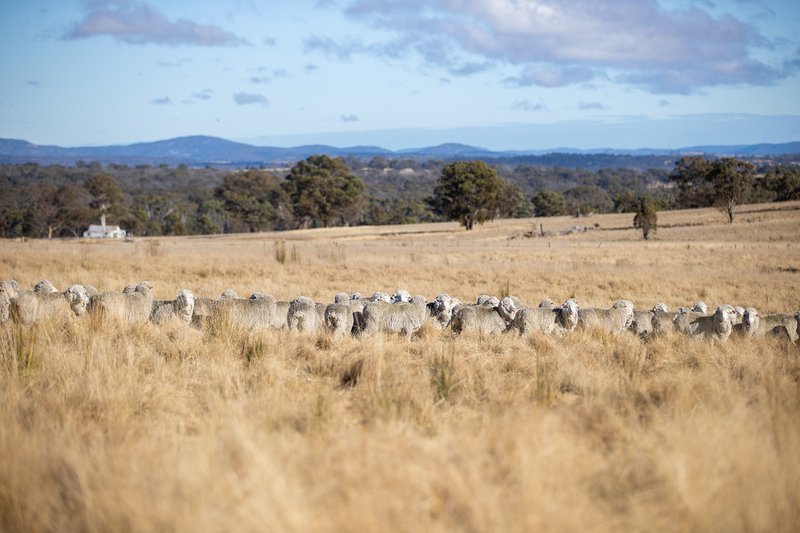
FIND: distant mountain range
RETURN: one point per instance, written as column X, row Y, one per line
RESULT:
column 213, row 151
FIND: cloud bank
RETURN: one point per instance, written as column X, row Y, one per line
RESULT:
column 555, row 43
column 135, row 22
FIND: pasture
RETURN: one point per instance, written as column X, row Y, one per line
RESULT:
column 151, row 428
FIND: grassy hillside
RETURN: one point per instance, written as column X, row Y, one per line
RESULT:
column 170, row 428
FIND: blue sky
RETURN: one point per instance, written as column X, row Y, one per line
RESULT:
column 502, row 74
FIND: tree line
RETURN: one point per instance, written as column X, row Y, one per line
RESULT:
column 61, row 201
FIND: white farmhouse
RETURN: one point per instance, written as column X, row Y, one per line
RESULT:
column 103, row 231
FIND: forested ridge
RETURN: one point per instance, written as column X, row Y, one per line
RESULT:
column 61, row 201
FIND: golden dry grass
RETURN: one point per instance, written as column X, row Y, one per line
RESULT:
column 146, row 428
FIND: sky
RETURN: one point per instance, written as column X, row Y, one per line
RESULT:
column 500, row 74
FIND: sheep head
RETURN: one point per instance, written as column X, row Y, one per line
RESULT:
column 569, row 314
column 184, row 305
column 507, row 309
column 750, row 321
column 724, row 316
column 78, row 299
column 229, row 294
column 660, row 307
column 44, row 287
column 547, row 303
column 401, row 297
column 341, row 298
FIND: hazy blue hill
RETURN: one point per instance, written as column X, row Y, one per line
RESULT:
column 201, row 150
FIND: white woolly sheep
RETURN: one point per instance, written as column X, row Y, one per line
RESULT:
column 303, row 315
column 642, row 324
column 44, row 287
column 180, row 310
column 547, row 303
column 717, row 326
column 779, row 324
column 339, row 319
column 614, row 320
column 403, row 318
column 546, row 320
column 482, row 319
column 29, row 306
column 131, row 307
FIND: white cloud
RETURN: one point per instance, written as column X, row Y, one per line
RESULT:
column 135, row 22
column 563, row 42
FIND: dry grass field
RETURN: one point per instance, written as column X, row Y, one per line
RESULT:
column 147, row 428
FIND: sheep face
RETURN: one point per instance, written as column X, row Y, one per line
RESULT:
column 10, row 287
column 401, row 297
column 724, row 316
column 380, row 297
column 660, row 308
column 78, row 299
column 569, row 314
column 750, row 322
column 184, row 305
column 507, row 309
column 700, row 307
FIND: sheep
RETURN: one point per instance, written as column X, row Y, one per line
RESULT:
column 662, row 320
column 776, row 323
column 700, row 307
column 181, row 309
column 29, row 306
column 642, row 324
column 5, row 303
column 91, row 290
column 487, row 301
column 781, row 324
column 206, row 308
column 482, row 319
column 441, row 310
column 401, row 297
column 797, row 320
column 547, row 303
column 44, row 287
column 684, row 320
column 614, row 320
column 339, row 319
column 229, row 294
column 357, row 302
column 380, row 297
column 248, row 314
column 131, row 307
column 717, row 326
column 303, row 315
column 546, row 320
column 749, row 324
column 11, row 287
column 341, row 298
column 403, row 318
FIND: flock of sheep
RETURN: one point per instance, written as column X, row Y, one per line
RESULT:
column 401, row 313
